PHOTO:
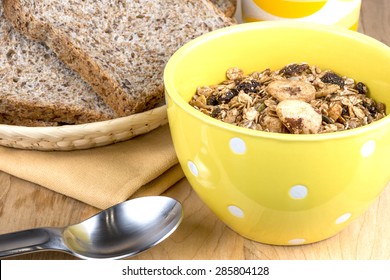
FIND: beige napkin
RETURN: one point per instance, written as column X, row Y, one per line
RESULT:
column 101, row 177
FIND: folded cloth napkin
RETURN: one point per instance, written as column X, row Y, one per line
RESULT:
column 104, row 176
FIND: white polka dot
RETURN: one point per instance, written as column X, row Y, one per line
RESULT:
column 296, row 241
column 343, row 218
column 298, row 192
column 237, row 145
column 193, row 168
column 236, row 211
column 368, row 148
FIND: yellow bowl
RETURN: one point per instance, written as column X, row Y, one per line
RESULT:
column 270, row 187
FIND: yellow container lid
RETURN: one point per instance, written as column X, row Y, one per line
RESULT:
column 343, row 13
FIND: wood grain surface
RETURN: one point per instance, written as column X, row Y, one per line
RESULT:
column 202, row 235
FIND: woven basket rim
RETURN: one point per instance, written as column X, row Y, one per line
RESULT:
column 73, row 137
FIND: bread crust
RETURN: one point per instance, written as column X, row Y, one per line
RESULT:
column 19, row 121
column 117, row 84
column 228, row 7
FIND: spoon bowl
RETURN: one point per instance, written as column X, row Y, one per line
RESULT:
column 123, row 230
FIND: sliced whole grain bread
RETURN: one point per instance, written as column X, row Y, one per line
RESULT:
column 120, row 47
column 37, row 88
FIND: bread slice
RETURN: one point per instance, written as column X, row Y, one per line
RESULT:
column 228, row 7
column 120, row 47
column 36, row 85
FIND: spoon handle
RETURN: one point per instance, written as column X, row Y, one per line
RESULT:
column 27, row 241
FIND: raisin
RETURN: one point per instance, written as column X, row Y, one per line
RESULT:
column 228, row 96
column 248, row 86
column 361, row 88
column 215, row 112
column 381, row 107
column 212, row 100
column 345, row 111
column 294, row 69
column 332, row 78
column 371, row 107
column 327, row 119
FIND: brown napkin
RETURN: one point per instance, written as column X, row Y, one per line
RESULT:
column 101, row 177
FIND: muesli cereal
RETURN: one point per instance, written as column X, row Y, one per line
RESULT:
column 297, row 99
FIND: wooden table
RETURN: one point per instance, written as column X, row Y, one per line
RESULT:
column 201, row 235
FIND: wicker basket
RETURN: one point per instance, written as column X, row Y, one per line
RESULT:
column 82, row 136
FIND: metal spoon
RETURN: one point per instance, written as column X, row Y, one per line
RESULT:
column 123, row 230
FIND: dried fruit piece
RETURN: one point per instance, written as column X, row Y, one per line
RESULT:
column 286, row 89
column 333, row 78
column 361, row 88
column 212, row 100
column 294, row 69
column 299, row 117
column 227, row 97
column 248, row 86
